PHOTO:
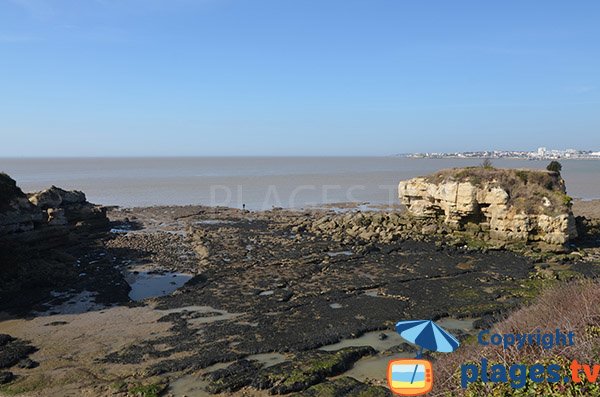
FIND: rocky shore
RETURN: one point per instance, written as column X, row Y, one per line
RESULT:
column 277, row 302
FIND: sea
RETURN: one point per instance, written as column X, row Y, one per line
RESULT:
column 257, row 183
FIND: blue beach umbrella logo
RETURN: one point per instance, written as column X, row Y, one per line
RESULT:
column 413, row 377
column 427, row 335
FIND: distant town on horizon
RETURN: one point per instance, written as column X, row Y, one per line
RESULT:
column 541, row 153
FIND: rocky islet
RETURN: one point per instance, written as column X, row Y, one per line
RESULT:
column 506, row 205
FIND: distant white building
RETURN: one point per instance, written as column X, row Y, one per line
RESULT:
column 541, row 152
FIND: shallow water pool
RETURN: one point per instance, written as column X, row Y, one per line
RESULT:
column 146, row 284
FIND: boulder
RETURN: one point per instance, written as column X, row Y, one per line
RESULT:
column 55, row 197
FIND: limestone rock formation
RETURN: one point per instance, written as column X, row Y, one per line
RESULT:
column 507, row 205
column 47, row 215
column 62, row 207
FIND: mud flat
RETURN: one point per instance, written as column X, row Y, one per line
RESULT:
column 227, row 301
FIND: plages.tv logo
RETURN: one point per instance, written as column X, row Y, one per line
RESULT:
column 414, row 377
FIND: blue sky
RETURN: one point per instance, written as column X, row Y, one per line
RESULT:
column 296, row 77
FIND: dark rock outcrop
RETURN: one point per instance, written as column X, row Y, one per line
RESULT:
column 307, row 369
column 40, row 234
column 231, row 379
column 6, row 377
column 17, row 214
column 13, row 350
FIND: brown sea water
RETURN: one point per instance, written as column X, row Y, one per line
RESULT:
column 258, row 182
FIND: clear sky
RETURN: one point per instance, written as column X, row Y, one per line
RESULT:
column 296, row 77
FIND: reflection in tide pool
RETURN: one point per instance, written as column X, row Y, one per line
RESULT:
column 189, row 385
column 268, row 359
column 146, row 284
column 374, row 368
column 195, row 386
